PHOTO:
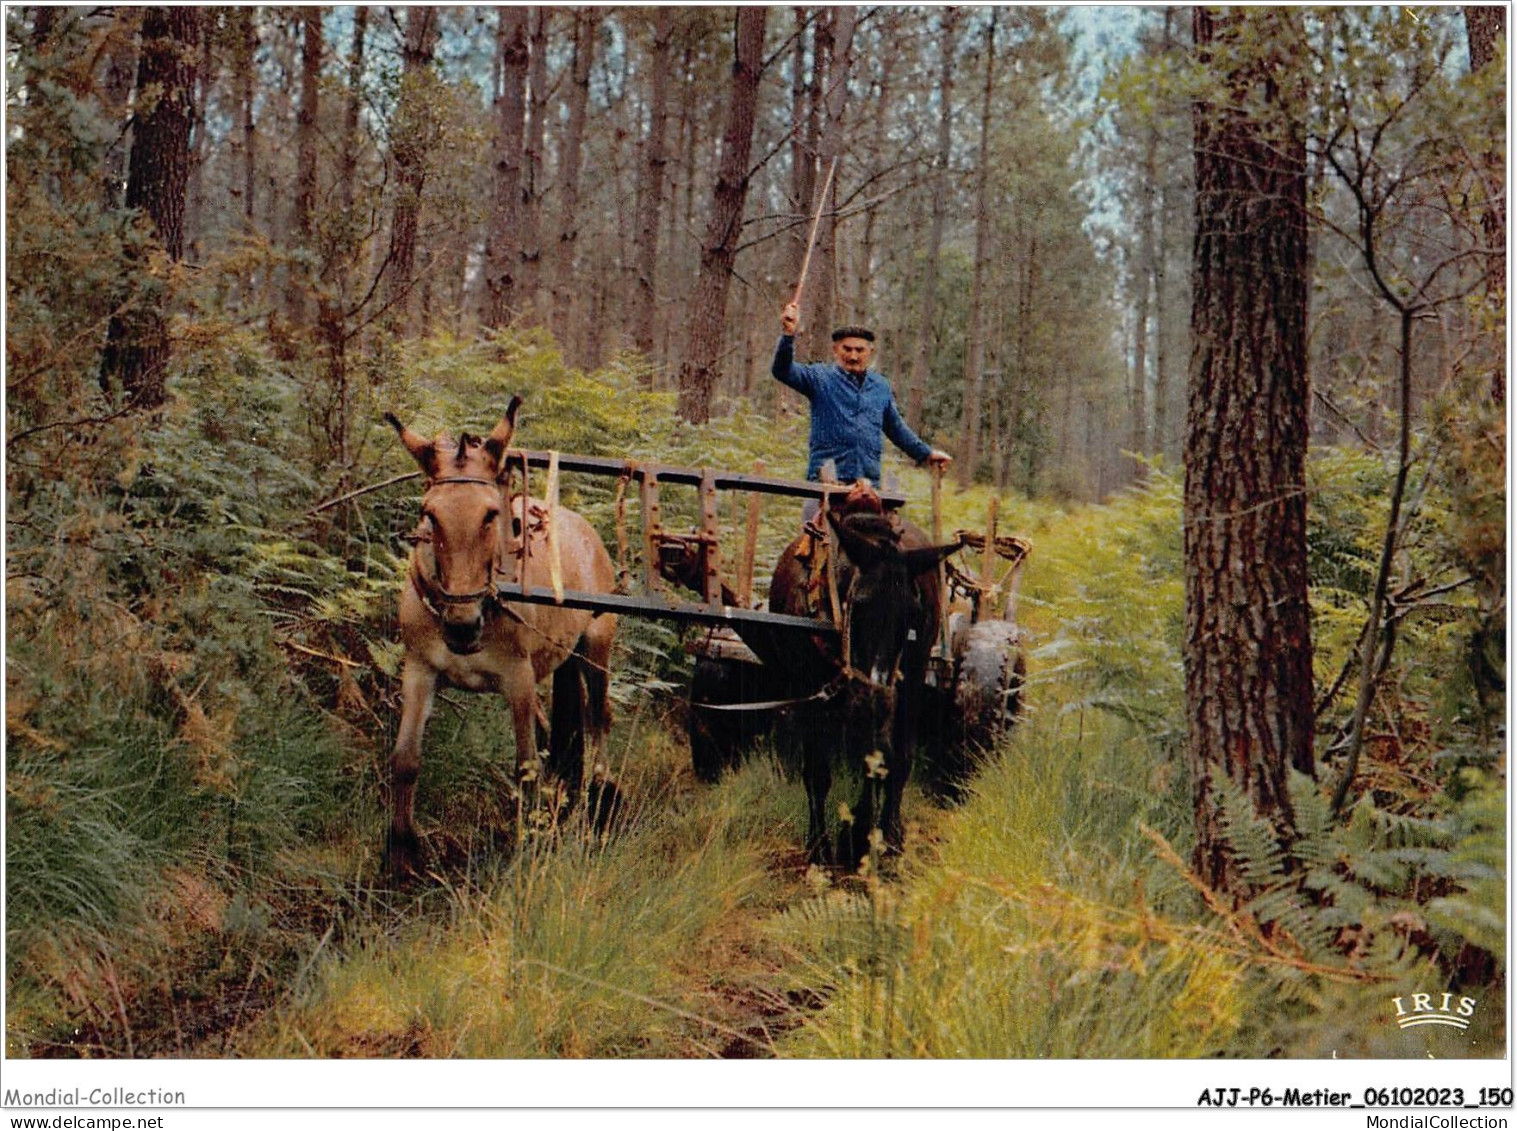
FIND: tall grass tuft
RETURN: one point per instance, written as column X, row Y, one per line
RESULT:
column 575, row 945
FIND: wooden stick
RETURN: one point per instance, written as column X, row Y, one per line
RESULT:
column 711, row 556
column 829, row 475
column 364, row 491
column 525, row 551
column 816, row 221
column 987, row 557
column 318, row 655
column 937, row 539
column 750, row 541
column 652, row 529
column 1011, row 585
column 937, row 502
column 621, row 529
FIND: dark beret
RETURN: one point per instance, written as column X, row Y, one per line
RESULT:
column 853, row 332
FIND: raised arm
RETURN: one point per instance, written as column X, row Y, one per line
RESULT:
column 801, row 378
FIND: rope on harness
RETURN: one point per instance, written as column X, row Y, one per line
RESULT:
column 821, row 694
column 1006, row 546
column 836, row 606
column 845, row 616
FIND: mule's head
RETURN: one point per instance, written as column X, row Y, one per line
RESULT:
column 884, row 603
column 463, row 524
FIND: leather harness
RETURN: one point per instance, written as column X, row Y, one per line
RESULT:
column 431, row 593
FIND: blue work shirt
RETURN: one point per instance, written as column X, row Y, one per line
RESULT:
column 848, row 416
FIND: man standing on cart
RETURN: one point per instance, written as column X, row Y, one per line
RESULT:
column 852, row 406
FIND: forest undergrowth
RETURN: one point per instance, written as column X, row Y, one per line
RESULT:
column 202, row 692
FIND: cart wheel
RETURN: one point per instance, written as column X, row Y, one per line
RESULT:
column 992, row 673
column 978, row 707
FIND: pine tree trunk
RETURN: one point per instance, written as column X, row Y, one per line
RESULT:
column 503, row 244
column 813, row 172
column 650, row 190
column 533, row 178
column 1066, row 425
column 612, row 260
column 802, row 140
column 119, row 71
column 708, row 310
column 1144, row 277
column 311, row 50
column 277, row 118
column 137, row 340
column 969, row 453
column 339, row 252
column 677, row 222
column 1486, row 26
column 1161, row 441
column 44, row 21
column 586, row 28
column 410, row 138
column 922, row 359
column 1160, row 435
column 835, row 47
column 244, row 60
column 690, row 133
column 352, row 106
column 1137, row 385
column 205, row 78
column 682, row 258
column 862, row 309
column 1248, row 659
column 996, row 390
column 1022, row 376
column 805, row 119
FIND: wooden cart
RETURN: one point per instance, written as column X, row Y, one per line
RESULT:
column 977, row 671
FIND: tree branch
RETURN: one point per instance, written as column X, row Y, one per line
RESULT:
column 364, row 491
column 1368, row 674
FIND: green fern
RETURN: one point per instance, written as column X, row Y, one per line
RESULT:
column 1478, row 861
column 1345, row 892
column 1253, row 839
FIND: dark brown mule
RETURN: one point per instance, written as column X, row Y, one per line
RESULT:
column 890, row 609
column 457, row 634
column 868, row 700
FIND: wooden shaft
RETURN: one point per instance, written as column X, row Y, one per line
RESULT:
column 663, row 607
column 526, row 518
column 652, row 529
column 987, row 556
column 711, row 560
column 1011, row 584
column 816, row 222
column 750, row 540
column 937, row 502
column 937, row 540
column 692, row 476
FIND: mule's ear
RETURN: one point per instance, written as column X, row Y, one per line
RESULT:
column 499, row 439
column 865, row 538
column 925, row 558
column 422, row 450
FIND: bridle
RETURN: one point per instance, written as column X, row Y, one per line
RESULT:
column 848, row 673
column 433, row 595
